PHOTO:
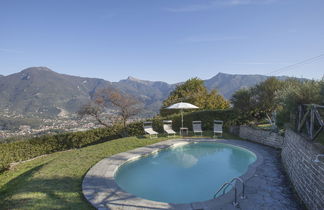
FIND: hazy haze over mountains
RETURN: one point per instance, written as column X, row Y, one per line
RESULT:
column 39, row 90
column 227, row 84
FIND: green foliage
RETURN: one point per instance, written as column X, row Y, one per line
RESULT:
column 265, row 95
column 10, row 123
column 296, row 93
column 33, row 147
column 258, row 102
column 193, row 91
column 216, row 101
column 243, row 104
column 206, row 116
column 30, row 148
column 283, row 97
column 322, row 91
column 54, row 181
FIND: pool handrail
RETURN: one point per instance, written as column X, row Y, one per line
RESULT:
column 235, row 202
column 243, row 186
column 225, row 186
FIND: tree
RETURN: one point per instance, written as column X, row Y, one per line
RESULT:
column 243, row 104
column 194, row 91
column 246, row 107
column 322, row 90
column 216, row 101
column 295, row 93
column 94, row 110
column 122, row 107
column 260, row 101
column 126, row 106
column 265, row 95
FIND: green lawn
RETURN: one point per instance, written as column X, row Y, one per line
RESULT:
column 320, row 138
column 54, row 181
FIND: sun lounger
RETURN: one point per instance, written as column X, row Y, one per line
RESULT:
column 218, row 127
column 167, row 127
column 149, row 130
column 196, row 127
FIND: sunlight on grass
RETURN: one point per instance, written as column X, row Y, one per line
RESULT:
column 55, row 180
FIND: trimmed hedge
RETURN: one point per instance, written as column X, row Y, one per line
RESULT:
column 30, row 148
column 206, row 117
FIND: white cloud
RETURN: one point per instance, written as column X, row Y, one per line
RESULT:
column 193, row 7
column 9, row 50
column 264, row 63
column 212, row 38
column 218, row 3
column 247, row 2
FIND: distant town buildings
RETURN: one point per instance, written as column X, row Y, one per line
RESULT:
column 56, row 125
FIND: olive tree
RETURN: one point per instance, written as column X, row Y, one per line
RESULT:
column 260, row 101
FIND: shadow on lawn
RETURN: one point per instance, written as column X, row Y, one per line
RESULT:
column 28, row 192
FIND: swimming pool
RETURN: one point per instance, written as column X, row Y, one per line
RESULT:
column 184, row 174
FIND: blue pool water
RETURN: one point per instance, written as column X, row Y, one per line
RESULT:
column 184, row 174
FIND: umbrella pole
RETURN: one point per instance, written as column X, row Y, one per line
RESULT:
column 182, row 118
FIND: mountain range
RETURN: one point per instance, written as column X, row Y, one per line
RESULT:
column 41, row 91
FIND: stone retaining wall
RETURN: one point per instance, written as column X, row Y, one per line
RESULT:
column 297, row 156
column 234, row 130
column 307, row 176
column 261, row 136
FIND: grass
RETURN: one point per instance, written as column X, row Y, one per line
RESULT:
column 320, row 138
column 210, row 134
column 265, row 126
column 54, row 181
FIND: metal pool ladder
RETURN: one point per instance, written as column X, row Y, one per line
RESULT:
column 225, row 186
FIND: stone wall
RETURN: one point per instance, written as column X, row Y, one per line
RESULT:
column 307, row 176
column 297, row 156
column 261, row 136
column 234, row 130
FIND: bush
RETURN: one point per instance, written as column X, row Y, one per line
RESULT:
column 46, row 144
column 297, row 93
column 207, row 117
column 30, row 148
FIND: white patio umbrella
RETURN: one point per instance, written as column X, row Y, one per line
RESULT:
column 182, row 106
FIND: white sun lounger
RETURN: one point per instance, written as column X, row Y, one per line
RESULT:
column 149, row 130
column 218, row 127
column 167, row 127
column 196, row 127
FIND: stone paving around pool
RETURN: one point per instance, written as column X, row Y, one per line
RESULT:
column 266, row 184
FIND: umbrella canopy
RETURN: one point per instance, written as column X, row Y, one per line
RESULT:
column 182, row 105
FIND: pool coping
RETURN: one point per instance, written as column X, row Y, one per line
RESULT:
column 101, row 190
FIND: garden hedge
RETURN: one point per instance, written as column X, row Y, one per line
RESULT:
column 30, row 148
column 33, row 147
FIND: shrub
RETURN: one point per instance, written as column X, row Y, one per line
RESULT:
column 258, row 102
column 30, row 148
column 296, row 93
column 207, row 117
column 46, row 144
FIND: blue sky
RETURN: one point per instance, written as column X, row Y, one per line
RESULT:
column 167, row 40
